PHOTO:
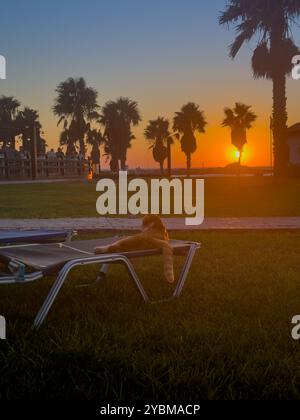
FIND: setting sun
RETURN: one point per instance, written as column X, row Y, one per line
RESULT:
column 237, row 154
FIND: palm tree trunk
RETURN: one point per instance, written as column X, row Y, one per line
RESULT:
column 114, row 164
column 81, row 146
column 280, row 126
column 239, row 163
column 169, row 158
column 279, row 100
column 188, row 164
column 161, row 164
column 123, row 164
column 123, row 156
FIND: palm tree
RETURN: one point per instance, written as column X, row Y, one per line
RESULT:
column 118, row 117
column 95, row 139
column 8, row 111
column 131, row 117
column 158, row 133
column 110, row 120
column 66, row 139
column 186, row 123
column 239, row 120
column 76, row 106
column 26, row 121
column 269, row 22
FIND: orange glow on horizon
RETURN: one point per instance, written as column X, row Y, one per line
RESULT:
column 214, row 148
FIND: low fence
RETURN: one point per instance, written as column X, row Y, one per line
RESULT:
column 11, row 169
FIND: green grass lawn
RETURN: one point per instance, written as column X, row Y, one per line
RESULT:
column 223, row 198
column 227, row 337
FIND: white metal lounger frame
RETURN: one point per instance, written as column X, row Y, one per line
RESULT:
column 104, row 259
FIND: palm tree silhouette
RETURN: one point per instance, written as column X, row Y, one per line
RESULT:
column 26, row 120
column 8, row 111
column 66, row 139
column 158, row 133
column 118, row 117
column 76, row 106
column 185, row 123
column 111, row 121
column 95, row 139
column 239, row 120
column 269, row 22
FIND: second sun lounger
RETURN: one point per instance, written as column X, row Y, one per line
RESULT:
column 31, row 236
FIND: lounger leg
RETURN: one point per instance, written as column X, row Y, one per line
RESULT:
column 45, row 308
column 185, row 270
column 132, row 273
column 102, row 272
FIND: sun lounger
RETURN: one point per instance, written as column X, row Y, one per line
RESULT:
column 61, row 258
column 30, row 236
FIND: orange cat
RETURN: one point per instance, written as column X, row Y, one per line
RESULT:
column 153, row 235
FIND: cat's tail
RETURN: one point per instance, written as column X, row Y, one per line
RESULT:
column 168, row 263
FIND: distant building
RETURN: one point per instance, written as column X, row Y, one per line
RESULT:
column 294, row 144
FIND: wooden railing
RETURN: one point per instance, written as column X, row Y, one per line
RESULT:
column 46, row 168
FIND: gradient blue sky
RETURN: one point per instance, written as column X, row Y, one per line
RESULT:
column 160, row 53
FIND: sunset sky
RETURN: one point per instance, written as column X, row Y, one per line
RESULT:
column 161, row 53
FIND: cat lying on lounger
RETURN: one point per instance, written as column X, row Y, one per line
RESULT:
column 153, row 235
